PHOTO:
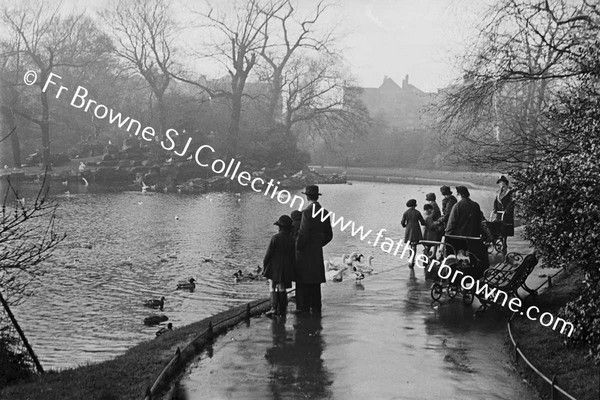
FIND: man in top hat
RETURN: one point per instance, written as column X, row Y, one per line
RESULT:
column 465, row 217
column 313, row 235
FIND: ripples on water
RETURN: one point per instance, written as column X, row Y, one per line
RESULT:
column 89, row 306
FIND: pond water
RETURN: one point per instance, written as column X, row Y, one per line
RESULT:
column 88, row 307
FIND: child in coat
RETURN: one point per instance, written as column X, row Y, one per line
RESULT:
column 410, row 221
column 278, row 265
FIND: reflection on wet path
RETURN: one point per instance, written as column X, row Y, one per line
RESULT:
column 381, row 340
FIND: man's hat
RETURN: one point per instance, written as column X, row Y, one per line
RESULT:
column 312, row 190
column 463, row 191
column 502, row 179
column 445, row 190
column 430, row 197
column 284, row 221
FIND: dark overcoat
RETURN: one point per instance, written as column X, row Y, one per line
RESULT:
column 447, row 205
column 410, row 220
column 504, row 202
column 437, row 214
column 313, row 235
column 465, row 219
column 280, row 259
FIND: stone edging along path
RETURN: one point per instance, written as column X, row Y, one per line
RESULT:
column 217, row 324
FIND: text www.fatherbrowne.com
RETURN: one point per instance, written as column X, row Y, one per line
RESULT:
column 445, row 271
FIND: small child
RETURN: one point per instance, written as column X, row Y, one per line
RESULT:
column 278, row 265
column 412, row 233
column 430, row 232
column 296, row 219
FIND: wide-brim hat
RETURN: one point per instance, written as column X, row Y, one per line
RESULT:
column 284, row 221
column 502, row 179
column 430, row 197
column 312, row 190
column 463, row 191
column 445, row 190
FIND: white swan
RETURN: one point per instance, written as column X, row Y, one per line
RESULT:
column 144, row 187
column 367, row 267
column 85, row 182
column 335, row 276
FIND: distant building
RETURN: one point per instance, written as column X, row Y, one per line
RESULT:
column 400, row 106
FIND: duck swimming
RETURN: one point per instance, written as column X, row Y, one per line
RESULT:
column 189, row 285
column 358, row 276
column 155, row 319
column 156, row 303
column 165, row 330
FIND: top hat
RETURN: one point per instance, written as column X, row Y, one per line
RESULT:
column 463, row 191
column 502, row 179
column 312, row 190
column 445, row 190
column 430, row 197
column 284, row 221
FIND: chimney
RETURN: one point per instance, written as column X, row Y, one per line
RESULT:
column 405, row 82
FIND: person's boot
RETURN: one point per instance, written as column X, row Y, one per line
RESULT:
column 283, row 302
column 274, row 302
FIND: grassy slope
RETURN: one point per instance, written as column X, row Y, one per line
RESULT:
column 125, row 377
column 544, row 349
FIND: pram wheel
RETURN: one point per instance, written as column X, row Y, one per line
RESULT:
column 436, row 291
column 452, row 290
column 467, row 298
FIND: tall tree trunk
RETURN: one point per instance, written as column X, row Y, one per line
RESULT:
column 234, row 124
column 45, row 128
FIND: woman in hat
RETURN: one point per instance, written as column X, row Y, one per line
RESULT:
column 410, row 221
column 504, row 209
column 278, row 265
column 436, row 213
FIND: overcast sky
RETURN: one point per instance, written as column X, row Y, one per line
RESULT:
column 419, row 38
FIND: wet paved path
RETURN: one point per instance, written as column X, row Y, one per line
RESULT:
column 380, row 340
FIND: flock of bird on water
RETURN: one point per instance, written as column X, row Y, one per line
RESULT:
column 334, row 272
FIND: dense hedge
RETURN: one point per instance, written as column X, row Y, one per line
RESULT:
column 559, row 198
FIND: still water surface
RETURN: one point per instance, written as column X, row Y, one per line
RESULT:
column 89, row 305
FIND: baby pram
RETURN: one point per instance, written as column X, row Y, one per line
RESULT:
column 463, row 253
column 492, row 232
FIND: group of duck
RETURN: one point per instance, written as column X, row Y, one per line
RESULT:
column 156, row 319
column 355, row 262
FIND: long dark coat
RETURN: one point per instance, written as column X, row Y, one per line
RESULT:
column 447, row 205
column 465, row 219
column 437, row 214
column 504, row 202
column 410, row 221
column 313, row 235
column 280, row 259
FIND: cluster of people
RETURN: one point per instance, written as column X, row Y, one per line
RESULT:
column 456, row 217
column 295, row 254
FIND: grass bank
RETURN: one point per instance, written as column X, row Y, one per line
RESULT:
column 544, row 349
column 416, row 176
column 122, row 378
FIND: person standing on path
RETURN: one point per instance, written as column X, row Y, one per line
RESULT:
column 504, row 210
column 436, row 213
column 278, row 265
column 313, row 235
column 465, row 217
column 412, row 233
column 448, row 203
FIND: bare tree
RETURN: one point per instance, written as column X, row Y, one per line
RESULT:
column 49, row 42
column 144, row 32
column 285, row 37
column 27, row 239
column 526, row 53
column 238, row 40
column 315, row 101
